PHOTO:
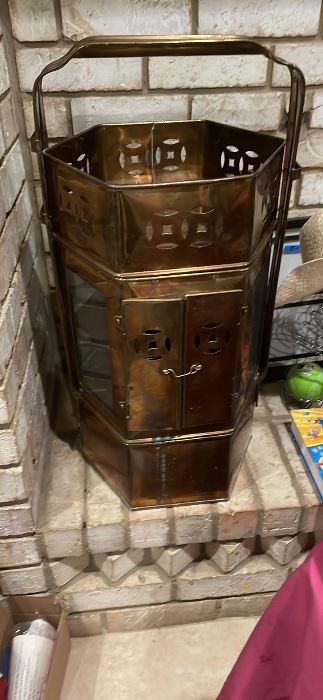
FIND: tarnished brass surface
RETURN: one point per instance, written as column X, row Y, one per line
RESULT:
column 118, row 197
column 160, row 236
column 166, row 471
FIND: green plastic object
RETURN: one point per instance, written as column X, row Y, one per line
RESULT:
column 305, row 382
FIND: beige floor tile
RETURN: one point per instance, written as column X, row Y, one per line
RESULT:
column 188, row 662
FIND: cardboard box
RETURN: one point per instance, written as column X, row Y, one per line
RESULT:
column 24, row 608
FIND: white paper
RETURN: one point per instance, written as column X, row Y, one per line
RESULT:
column 29, row 665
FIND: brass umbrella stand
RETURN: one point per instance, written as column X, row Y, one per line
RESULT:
column 160, row 238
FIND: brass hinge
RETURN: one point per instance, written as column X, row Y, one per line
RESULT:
column 120, row 324
column 124, row 405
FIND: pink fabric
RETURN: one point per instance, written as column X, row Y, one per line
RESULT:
column 283, row 659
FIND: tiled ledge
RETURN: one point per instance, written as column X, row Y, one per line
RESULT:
column 163, row 565
column 272, row 497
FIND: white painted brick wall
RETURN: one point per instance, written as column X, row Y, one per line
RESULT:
column 21, row 348
column 259, row 19
column 282, row 508
column 20, row 581
column 22, row 551
column 89, row 111
column 207, row 71
column 38, row 16
column 12, row 484
column 8, row 122
column 7, row 335
column 28, row 256
column 311, row 189
column 68, row 568
column 105, row 516
column 308, row 56
column 16, row 296
column 310, row 150
column 316, row 119
column 2, row 144
column 62, row 528
column 13, row 440
column 79, row 74
column 56, row 116
column 92, row 592
column 8, row 395
column 149, row 528
column 258, row 111
column 23, row 211
column 9, row 252
column 12, row 174
column 4, row 75
column 204, row 580
column 125, row 17
column 2, row 207
column 16, row 520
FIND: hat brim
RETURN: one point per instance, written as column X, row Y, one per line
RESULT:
column 303, row 281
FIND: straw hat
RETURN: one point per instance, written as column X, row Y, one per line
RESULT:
column 306, row 279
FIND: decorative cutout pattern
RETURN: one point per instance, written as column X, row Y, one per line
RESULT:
column 152, row 344
column 134, row 159
column 76, row 206
column 211, row 338
column 236, row 161
column 170, row 228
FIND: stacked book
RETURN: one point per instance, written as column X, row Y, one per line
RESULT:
column 307, row 429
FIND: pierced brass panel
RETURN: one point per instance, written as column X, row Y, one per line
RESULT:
column 153, row 343
column 212, row 338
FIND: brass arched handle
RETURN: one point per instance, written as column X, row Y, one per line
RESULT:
column 193, row 369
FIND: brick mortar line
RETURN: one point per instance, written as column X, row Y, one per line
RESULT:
column 190, row 108
column 171, row 527
column 4, row 94
column 320, row 29
column 23, row 566
column 5, row 155
column 8, row 426
column 194, row 16
column 270, row 70
column 69, row 123
column 17, row 104
column 145, row 76
column 171, row 602
column 22, row 242
column 297, row 191
column 23, row 301
column 34, row 535
column 49, row 577
column 8, row 214
column 58, row 18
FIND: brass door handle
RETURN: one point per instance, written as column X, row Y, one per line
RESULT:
column 193, row 369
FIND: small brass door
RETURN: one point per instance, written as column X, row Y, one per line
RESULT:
column 153, row 343
column 182, row 361
column 212, row 342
